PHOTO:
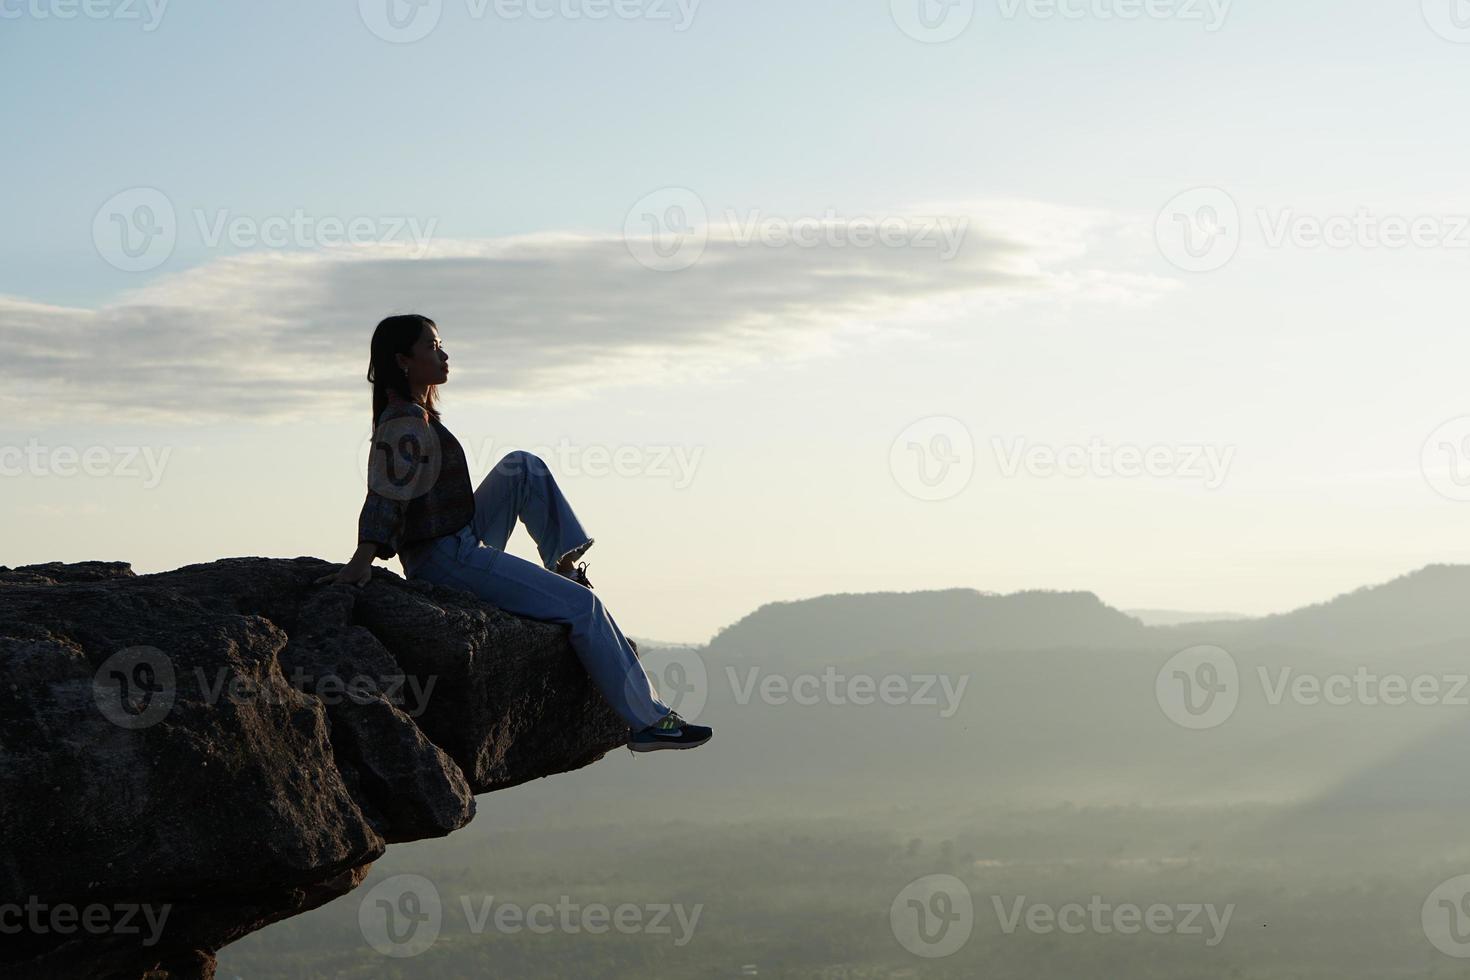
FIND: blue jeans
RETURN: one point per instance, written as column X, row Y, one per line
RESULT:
column 521, row 487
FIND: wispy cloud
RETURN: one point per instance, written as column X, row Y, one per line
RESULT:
column 277, row 335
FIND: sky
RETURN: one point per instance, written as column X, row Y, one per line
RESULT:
column 1158, row 299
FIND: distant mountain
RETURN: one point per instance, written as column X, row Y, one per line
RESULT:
column 1044, row 697
column 848, row 626
column 1423, row 607
column 1176, row 617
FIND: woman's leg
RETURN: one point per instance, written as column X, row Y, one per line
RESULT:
column 526, row 589
column 522, row 487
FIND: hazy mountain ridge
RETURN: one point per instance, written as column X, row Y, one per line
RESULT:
column 849, row 625
column 1421, row 607
column 1061, row 691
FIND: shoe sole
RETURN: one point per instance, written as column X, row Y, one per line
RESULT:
column 665, row 746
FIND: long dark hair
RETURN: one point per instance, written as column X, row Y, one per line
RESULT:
column 397, row 335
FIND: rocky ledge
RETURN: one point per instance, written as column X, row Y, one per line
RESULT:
column 189, row 756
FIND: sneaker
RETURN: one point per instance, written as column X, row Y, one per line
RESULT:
column 672, row 732
column 578, row 574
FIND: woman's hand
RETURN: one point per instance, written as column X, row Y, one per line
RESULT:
column 349, row 574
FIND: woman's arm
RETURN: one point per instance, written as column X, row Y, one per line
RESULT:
column 380, row 523
column 358, row 571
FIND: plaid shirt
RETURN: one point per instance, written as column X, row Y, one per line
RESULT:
column 418, row 480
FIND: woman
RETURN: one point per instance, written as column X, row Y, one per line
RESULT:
column 420, row 506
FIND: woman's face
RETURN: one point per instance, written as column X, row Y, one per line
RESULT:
column 428, row 364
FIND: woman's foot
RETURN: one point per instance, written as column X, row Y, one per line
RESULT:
column 564, row 565
column 672, row 732
column 578, row 574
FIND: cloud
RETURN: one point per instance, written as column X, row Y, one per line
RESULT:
column 284, row 335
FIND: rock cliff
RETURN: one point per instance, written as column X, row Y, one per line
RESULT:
column 189, row 756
